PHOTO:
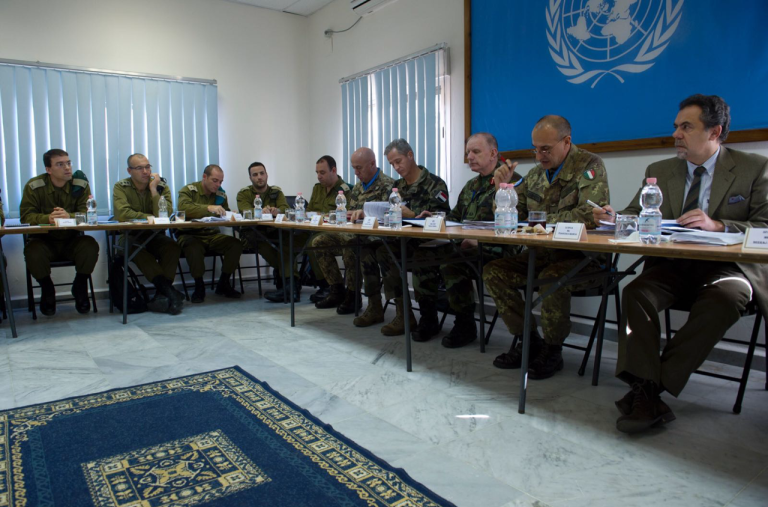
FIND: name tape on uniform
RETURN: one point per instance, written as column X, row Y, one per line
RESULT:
column 756, row 239
column 570, row 232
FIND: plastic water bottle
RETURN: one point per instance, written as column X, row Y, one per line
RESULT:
column 649, row 223
column 502, row 220
column 341, row 209
column 301, row 215
column 395, row 211
column 257, row 208
column 512, row 214
column 92, row 217
column 162, row 208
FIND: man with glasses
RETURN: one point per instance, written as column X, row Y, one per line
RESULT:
column 136, row 198
column 564, row 178
column 58, row 193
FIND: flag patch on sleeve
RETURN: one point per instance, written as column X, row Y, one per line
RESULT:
column 441, row 196
column 589, row 174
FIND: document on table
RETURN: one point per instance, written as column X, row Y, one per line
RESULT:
column 210, row 219
column 419, row 222
column 375, row 209
column 668, row 226
column 477, row 225
column 708, row 238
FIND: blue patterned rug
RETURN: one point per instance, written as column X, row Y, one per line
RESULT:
column 218, row 439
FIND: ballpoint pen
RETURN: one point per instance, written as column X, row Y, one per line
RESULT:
column 599, row 207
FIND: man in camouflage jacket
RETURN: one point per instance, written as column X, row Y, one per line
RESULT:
column 560, row 185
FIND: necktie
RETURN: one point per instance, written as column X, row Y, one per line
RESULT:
column 692, row 199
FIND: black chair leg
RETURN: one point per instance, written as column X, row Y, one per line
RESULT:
column 668, row 323
column 213, row 274
column 588, row 351
column 93, row 294
column 31, row 297
column 491, row 326
column 747, row 364
column 442, row 321
column 258, row 271
column 183, row 282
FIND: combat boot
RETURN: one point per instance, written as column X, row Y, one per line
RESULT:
column 323, row 290
column 175, row 301
column 47, row 296
column 198, row 296
column 513, row 359
column 223, row 288
column 348, row 305
column 429, row 324
column 397, row 326
column 647, row 409
column 547, row 362
column 463, row 333
column 334, row 298
column 80, row 293
column 373, row 314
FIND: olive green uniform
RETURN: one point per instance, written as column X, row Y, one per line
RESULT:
column 160, row 256
column 428, row 193
column 581, row 178
column 379, row 190
column 196, row 243
column 37, row 202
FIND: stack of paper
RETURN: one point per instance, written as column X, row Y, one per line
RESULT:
column 477, row 224
column 708, row 238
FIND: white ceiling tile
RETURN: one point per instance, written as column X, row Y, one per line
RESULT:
column 300, row 7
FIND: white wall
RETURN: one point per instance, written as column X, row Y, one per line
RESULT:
column 258, row 57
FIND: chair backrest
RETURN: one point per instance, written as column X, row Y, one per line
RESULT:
column 291, row 200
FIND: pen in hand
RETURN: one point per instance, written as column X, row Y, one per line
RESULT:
column 599, row 207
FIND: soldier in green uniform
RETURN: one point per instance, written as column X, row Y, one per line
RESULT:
column 421, row 191
column 58, row 194
column 323, row 200
column 203, row 199
column 475, row 202
column 136, row 198
column 373, row 185
column 561, row 184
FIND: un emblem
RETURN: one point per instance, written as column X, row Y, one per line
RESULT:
column 589, row 39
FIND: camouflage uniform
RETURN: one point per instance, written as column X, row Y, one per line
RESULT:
column 37, row 203
column 428, row 193
column 582, row 177
column 476, row 202
column 160, row 256
column 379, row 190
column 196, row 243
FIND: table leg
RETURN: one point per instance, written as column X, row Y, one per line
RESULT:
column 406, row 302
column 289, row 293
column 358, row 282
column 126, row 259
column 601, row 324
column 7, row 290
column 527, row 329
column 481, row 296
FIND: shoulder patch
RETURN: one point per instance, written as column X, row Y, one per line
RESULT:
column 441, row 196
column 275, row 187
column 34, row 184
column 589, row 174
column 221, row 192
column 345, row 187
column 534, row 196
column 124, row 183
column 192, row 188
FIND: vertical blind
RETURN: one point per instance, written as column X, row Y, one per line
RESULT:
column 100, row 119
column 406, row 98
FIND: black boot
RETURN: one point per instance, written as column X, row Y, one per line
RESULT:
column 647, row 409
column 323, row 290
column 464, row 331
column 429, row 324
column 348, row 305
column 198, row 296
column 278, row 296
column 547, row 362
column 334, row 298
column 80, row 293
column 47, row 297
column 175, row 302
column 223, row 288
column 513, row 359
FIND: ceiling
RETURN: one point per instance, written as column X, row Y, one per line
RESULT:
column 300, row 7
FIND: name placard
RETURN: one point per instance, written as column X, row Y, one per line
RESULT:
column 755, row 240
column 316, row 220
column 570, row 232
column 267, row 217
column 162, row 221
column 65, row 222
column 279, row 218
column 237, row 217
column 370, row 223
column 434, row 224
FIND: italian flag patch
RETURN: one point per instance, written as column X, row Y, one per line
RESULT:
column 589, row 174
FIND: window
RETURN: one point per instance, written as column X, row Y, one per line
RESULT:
column 406, row 98
column 100, row 118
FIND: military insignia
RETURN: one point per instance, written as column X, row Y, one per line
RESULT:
column 36, row 184
column 589, row 174
column 441, row 196
column 192, row 188
column 535, row 197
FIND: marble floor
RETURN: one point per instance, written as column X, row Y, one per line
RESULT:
column 452, row 423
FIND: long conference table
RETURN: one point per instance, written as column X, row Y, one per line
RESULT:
column 594, row 245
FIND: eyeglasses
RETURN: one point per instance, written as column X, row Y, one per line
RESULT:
column 147, row 167
column 547, row 149
column 68, row 163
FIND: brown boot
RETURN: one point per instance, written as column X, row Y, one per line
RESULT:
column 646, row 410
column 397, row 326
column 373, row 314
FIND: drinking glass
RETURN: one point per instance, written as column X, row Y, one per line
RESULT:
column 79, row 218
column 290, row 214
column 181, row 216
column 625, row 226
column 332, row 218
column 248, row 214
column 537, row 217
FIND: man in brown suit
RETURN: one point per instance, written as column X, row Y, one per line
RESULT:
column 712, row 188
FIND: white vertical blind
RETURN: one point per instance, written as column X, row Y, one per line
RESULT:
column 405, row 99
column 100, row 119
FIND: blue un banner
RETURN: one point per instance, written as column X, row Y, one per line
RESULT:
column 615, row 68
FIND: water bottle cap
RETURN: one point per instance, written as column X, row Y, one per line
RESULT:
column 650, row 181
column 341, row 191
column 298, row 193
column 394, row 190
column 257, row 195
column 90, row 196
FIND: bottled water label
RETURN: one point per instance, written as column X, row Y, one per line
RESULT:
column 511, row 222
column 341, row 217
column 300, row 217
column 92, row 217
column 257, row 214
column 500, row 223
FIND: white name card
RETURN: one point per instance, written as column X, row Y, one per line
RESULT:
column 267, row 217
column 162, row 221
column 279, row 218
column 370, row 223
column 756, row 239
column 316, row 220
column 434, row 224
column 570, row 232
column 65, row 222
column 237, row 217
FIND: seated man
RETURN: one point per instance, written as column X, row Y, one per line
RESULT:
column 476, row 202
column 136, row 198
column 373, row 185
column 58, row 194
column 709, row 187
column 423, row 192
column 203, row 199
column 560, row 185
